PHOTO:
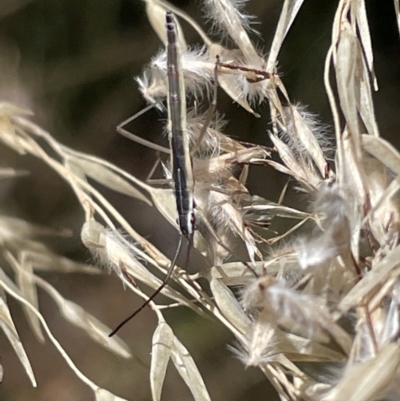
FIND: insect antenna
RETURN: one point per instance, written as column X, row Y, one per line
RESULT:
column 155, row 293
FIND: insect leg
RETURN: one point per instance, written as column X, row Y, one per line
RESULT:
column 121, row 130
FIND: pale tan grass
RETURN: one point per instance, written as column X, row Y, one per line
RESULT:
column 329, row 298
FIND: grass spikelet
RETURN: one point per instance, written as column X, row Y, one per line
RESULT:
column 300, row 313
column 262, row 345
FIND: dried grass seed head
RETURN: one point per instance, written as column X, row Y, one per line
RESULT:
column 109, row 247
column 300, row 313
column 384, row 216
column 197, row 71
column 228, row 15
column 329, row 209
column 260, row 344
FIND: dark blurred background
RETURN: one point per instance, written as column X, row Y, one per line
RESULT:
column 73, row 63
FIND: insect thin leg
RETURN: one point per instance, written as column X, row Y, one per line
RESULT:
column 153, row 169
column 156, row 292
column 121, row 130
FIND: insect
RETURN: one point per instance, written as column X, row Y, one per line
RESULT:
column 182, row 172
column 181, row 161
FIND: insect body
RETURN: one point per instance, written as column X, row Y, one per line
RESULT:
column 181, row 162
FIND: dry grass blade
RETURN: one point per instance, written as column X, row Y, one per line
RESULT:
column 12, row 229
column 383, row 151
column 275, row 210
column 228, row 16
column 371, row 379
column 306, row 176
column 8, row 327
column 229, row 306
column 288, row 14
column 27, row 287
column 12, row 173
column 187, row 369
column 170, row 7
column 156, row 15
column 233, row 273
column 301, row 133
column 105, row 177
column 163, row 339
column 78, row 317
column 9, row 110
column 299, row 349
column 365, row 38
column 349, row 70
column 379, row 273
column 164, row 201
column 49, row 262
column 101, row 394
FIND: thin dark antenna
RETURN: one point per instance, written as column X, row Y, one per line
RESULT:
column 156, row 292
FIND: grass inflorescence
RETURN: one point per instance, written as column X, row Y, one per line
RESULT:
column 326, row 298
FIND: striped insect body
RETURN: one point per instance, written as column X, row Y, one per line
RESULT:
column 181, row 162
